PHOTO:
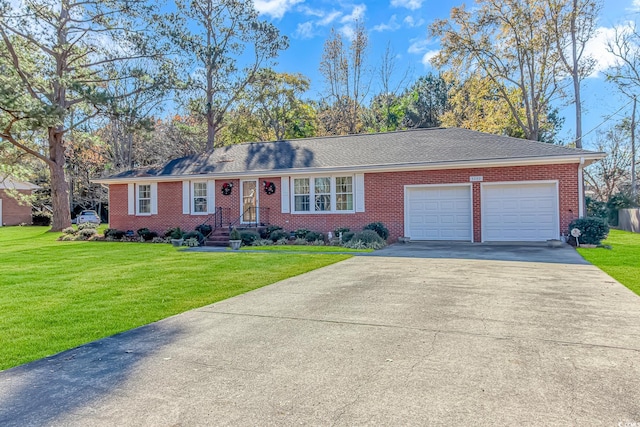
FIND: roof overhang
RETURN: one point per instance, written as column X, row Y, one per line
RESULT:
column 582, row 159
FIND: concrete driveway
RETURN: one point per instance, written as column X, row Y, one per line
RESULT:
column 415, row 335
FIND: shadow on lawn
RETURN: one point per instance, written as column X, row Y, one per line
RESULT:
column 40, row 392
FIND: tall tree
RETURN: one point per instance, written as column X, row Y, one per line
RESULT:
column 344, row 70
column 391, row 84
column 625, row 46
column 223, row 44
column 503, row 41
column 572, row 24
column 428, row 101
column 53, row 55
column 276, row 99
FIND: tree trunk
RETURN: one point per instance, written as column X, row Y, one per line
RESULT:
column 634, row 186
column 59, row 185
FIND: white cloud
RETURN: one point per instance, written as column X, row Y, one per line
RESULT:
column 418, row 46
column 311, row 12
column 392, row 25
column 635, row 6
column 305, row 30
column 409, row 4
column 275, row 8
column 329, row 18
column 426, row 58
column 412, row 23
column 597, row 47
column 356, row 14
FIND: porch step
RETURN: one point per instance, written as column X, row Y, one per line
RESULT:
column 219, row 237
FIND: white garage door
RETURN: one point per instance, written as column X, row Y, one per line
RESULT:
column 438, row 213
column 520, row 212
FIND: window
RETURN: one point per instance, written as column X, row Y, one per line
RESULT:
column 301, row 194
column 323, row 194
column 144, row 199
column 344, row 193
column 199, row 197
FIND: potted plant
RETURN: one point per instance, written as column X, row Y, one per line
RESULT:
column 177, row 237
column 235, row 239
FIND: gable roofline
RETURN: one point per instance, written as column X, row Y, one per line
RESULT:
column 7, row 183
column 582, row 158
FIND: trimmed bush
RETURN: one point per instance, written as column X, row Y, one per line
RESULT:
column 192, row 242
column 41, row 218
column 594, row 230
column 312, row 236
column 205, row 229
column 249, row 236
column 282, row 242
column 86, row 225
column 367, row 236
column 114, row 233
column 339, row 230
column 69, row 230
column 144, row 233
column 379, row 228
column 278, row 234
column 195, row 235
column 301, row 233
column 262, row 242
column 266, row 232
column 346, row 237
column 174, row 233
column 300, row 242
column 235, row 235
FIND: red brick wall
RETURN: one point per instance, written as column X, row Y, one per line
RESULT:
column 384, row 200
column 13, row 212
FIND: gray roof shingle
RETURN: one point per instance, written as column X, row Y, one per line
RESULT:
column 418, row 146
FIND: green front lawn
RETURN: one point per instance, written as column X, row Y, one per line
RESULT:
column 58, row 295
column 622, row 261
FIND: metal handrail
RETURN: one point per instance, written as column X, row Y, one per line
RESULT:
column 260, row 214
column 217, row 217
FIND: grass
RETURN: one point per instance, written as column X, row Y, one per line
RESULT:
column 301, row 248
column 58, row 295
column 622, row 261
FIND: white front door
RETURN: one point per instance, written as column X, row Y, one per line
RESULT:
column 438, row 212
column 249, row 201
column 520, row 212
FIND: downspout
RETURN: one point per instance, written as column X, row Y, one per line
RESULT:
column 581, row 200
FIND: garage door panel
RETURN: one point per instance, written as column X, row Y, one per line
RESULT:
column 444, row 213
column 520, row 212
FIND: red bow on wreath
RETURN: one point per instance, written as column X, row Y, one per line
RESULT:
column 226, row 188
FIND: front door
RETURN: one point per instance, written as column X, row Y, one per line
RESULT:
column 249, row 198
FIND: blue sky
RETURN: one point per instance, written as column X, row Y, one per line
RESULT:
column 403, row 24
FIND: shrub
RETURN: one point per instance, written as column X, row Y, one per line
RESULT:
column 312, row 236
column 192, row 242
column 195, row 235
column 248, row 237
column 346, row 237
column 145, row 234
column 205, row 229
column 159, row 240
column 342, row 230
column 299, row 241
column 266, row 232
column 41, row 218
column 114, row 233
column 278, row 234
column 596, row 208
column 317, row 243
column 367, row 236
column 85, row 225
column 262, row 242
column 235, row 235
column 379, row 228
column 593, row 230
column 282, row 242
column 174, row 233
column 301, row 233
column 615, row 203
column 87, row 232
column 69, row 230
column 359, row 244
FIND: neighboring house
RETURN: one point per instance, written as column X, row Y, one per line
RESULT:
column 427, row 184
column 12, row 211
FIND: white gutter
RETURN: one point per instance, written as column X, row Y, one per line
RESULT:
column 369, row 169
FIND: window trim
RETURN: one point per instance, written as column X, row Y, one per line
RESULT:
column 312, row 194
column 193, row 197
column 137, row 199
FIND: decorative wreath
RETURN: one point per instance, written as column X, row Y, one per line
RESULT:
column 226, row 188
column 269, row 187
